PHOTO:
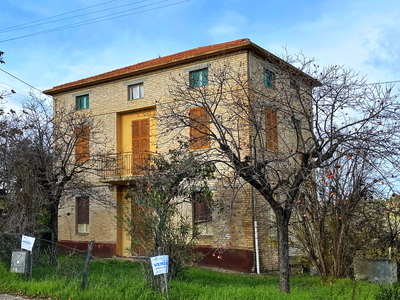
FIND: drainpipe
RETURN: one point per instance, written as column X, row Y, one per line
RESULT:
column 256, row 244
column 255, row 215
column 252, row 144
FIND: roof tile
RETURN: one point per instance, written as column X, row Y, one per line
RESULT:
column 155, row 62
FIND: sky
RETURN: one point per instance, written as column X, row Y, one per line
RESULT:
column 51, row 42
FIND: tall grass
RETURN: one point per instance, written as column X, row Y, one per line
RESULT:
column 119, row 280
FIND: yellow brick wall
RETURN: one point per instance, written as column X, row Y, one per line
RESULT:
column 109, row 103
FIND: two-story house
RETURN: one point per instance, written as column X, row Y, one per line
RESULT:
column 128, row 100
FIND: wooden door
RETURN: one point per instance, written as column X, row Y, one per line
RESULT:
column 140, row 145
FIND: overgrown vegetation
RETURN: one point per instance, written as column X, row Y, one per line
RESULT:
column 156, row 208
column 112, row 280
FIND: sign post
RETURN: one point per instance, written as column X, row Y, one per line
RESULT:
column 160, row 266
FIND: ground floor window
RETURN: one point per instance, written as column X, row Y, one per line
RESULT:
column 82, row 214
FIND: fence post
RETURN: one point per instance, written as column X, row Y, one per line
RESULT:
column 87, row 263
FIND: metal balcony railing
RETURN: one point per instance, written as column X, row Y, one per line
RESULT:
column 122, row 165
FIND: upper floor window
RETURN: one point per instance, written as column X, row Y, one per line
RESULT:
column 82, row 134
column 294, row 83
column 82, row 102
column 199, row 122
column 271, row 129
column 269, row 78
column 136, row 91
column 198, row 78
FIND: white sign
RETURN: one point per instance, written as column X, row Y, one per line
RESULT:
column 27, row 243
column 159, row 264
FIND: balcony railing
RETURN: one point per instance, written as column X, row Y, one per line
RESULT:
column 121, row 165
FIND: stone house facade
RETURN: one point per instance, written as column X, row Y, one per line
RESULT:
column 128, row 101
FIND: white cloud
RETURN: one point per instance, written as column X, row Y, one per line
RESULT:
column 385, row 55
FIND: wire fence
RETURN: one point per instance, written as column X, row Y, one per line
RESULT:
column 47, row 259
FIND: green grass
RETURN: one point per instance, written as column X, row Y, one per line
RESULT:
column 118, row 280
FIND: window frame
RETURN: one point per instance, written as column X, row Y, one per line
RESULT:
column 199, row 128
column 201, row 80
column 82, row 102
column 82, row 208
column 140, row 145
column 140, row 87
column 205, row 216
column 82, row 143
column 269, row 78
column 271, row 129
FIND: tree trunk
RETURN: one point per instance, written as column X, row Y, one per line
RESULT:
column 282, row 220
column 53, row 226
column 53, row 222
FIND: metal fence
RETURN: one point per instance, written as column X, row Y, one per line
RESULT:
column 47, row 259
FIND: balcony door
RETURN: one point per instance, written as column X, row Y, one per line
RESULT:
column 140, row 144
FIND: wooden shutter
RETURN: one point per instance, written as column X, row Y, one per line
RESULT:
column 199, row 122
column 82, row 210
column 271, row 129
column 201, row 211
column 82, row 134
column 140, row 144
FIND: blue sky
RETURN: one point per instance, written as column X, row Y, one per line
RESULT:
column 361, row 34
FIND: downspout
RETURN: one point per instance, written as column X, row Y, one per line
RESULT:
column 255, row 225
column 252, row 145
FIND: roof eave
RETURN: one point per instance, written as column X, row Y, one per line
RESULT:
column 245, row 45
column 79, row 85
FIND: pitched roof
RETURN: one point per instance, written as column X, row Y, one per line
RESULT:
column 159, row 63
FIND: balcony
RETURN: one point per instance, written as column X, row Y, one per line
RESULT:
column 122, row 167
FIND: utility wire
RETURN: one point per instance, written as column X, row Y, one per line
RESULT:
column 99, row 19
column 21, row 81
column 16, row 27
column 80, row 15
column 385, row 82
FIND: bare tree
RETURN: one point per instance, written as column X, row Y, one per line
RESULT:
column 333, row 213
column 274, row 131
column 43, row 156
column 4, row 93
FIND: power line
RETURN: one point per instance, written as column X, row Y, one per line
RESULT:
column 385, row 82
column 16, row 27
column 99, row 19
column 21, row 81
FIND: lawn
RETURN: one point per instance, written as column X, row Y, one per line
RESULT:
column 118, row 280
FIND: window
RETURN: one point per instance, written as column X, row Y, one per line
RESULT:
column 294, row 83
column 82, row 214
column 198, row 78
column 271, row 129
column 269, row 78
column 82, row 102
column 199, row 122
column 140, row 144
column 202, row 214
column 136, row 91
column 82, row 134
